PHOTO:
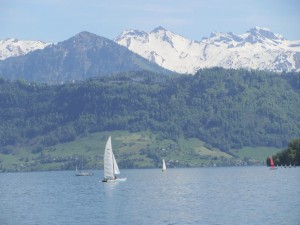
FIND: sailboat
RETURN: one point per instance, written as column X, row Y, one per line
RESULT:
column 83, row 173
column 164, row 168
column 111, row 169
column 272, row 164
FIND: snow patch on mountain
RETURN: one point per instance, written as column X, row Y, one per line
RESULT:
column 11, row 47
column 258, row 48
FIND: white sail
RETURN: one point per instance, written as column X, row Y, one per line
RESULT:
column 164, row 168
column 111, row 168
column 108, row 160
column 116, row 168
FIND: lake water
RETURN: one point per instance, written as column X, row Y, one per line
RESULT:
column 236, row 195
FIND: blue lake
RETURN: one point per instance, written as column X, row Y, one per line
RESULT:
column 235, row 195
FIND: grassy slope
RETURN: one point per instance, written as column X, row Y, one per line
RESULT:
column 132, row 150
column 260, row 153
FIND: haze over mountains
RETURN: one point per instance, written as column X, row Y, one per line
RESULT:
column 88, row 55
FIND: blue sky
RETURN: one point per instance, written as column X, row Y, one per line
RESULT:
column 58, row 20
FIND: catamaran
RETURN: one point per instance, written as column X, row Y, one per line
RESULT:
column 111, row 169
column 83, row 173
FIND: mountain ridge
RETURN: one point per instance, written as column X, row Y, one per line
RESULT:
column 82, row 56
column 258, row 48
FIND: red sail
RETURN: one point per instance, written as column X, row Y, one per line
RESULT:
column 271, row 162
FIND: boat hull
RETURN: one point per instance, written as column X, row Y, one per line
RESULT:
column 84, row 174
column 114, row 180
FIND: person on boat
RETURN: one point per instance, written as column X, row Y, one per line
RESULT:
column 115, row 177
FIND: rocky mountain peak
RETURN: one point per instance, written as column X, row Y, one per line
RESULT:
column 258, row 34
column 158, row 29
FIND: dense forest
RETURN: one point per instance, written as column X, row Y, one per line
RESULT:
column 227, row 109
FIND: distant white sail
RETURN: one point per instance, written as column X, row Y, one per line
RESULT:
column 164, row 168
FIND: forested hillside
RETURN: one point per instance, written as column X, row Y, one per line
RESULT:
column 224, row 108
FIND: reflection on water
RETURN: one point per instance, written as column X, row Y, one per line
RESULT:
column 250, row 195
column 109, row 188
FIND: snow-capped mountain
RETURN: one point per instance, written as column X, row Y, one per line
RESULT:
column 13, row 47
column 258, row 48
